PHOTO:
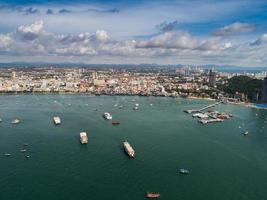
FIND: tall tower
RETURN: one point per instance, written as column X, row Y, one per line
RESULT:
column 13, row 75
column 212, row 78
column 264, row 90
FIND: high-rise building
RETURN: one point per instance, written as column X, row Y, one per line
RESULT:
column 264, row 90
column 212, row 78
column 94, row 75
column 13, row 75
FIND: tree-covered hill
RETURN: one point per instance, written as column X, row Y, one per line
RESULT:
column 242, row 84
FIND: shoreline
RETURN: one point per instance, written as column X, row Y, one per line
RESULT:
column 244, row 104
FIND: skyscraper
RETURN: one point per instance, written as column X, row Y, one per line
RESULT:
column 264, row 90
column 212, row 78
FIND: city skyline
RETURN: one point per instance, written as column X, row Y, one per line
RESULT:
column 121, row 32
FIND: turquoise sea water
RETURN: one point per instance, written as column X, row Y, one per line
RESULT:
column 224, row 164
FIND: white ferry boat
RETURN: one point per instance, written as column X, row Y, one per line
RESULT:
column 83, row 138
column 15, row 121
column 128, row 149
column 107, row 116
column 56, row 120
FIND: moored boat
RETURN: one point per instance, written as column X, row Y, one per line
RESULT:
column 107, row 115
column 57, row 120
column 135, row 108
column 83, row 138
column 184, row 171
column 15, row 121
column 152, row 195
column 128, row 149
column 115, row 122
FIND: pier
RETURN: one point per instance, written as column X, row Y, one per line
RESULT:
column 204, row 108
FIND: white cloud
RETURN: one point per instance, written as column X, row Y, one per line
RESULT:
column 183, row 41
column 33, row 43
column 233, row 29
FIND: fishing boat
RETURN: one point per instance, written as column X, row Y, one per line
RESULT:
column 115, row 122
column 152, row 195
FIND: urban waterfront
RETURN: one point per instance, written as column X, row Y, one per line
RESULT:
column 223, row 163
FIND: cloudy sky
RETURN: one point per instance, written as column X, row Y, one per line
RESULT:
column 229, row 32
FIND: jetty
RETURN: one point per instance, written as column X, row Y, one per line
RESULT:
column 204, row 108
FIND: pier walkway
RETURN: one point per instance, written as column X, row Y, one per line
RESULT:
column 204, row 108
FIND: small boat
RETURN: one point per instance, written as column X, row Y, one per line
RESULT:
column 136, row 108
column 23, row 150
column 120, row 107
column 25, row 144
column 57, row 120
column 136, row 104
column 152, row 195
column 245, row 133
column 151, row 104
column 107, row 116
column 115, row 122
column 7, row 154
column 15, row 121
column 184, row 171
column 27, row 156
column 83, row 138
column 129, row 149
column 1, row 120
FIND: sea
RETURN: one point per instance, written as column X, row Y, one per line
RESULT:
column 224, row 163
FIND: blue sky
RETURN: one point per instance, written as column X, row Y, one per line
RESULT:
column 152, row 31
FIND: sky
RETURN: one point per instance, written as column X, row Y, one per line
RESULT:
column 195, row 32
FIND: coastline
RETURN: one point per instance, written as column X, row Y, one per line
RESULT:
column 244, row 104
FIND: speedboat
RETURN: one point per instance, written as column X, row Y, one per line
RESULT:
column 184, row 171
column 152, row 195
column 15, row 121
column 107, row 116
column 136, row 108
